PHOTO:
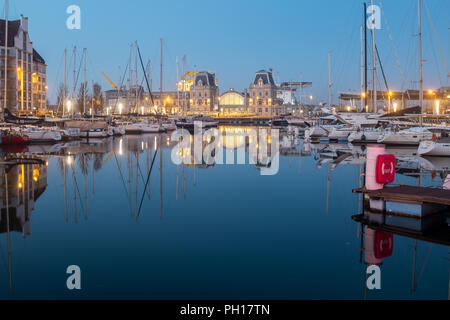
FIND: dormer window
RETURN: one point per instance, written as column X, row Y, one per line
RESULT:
column 260, row 82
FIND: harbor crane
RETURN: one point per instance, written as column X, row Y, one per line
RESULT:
column 110, row 81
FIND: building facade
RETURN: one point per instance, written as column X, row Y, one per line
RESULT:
column 204, row 93
column 26, row 69
column 263, row 99
column 233, row 102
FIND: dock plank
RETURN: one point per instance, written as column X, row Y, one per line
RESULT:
column 409, row 193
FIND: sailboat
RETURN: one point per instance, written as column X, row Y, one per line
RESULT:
column 439, row 147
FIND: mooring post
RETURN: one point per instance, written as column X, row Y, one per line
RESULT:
column 373, row 151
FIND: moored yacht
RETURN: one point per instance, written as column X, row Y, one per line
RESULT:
column 411, row 136
column 40, row 135
column 439, row 147
column 365, row 136
column 95, row 133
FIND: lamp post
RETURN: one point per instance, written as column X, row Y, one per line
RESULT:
column 390, row 95
column 69, row 105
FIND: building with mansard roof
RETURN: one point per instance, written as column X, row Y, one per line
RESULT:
column 26, row 69
column 263, row 99
column 204, row 93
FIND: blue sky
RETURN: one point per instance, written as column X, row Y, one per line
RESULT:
column 237, row 38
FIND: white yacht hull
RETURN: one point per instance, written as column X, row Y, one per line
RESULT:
column 42, row 135
column 400, row 138
column 339, row 134
column 94, row 134
column 434, row 148
column 364, row 136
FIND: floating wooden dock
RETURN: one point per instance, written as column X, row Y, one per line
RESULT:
column 409, row 194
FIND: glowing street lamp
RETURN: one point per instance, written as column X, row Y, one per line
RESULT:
column 390, row 95
column 395, row 107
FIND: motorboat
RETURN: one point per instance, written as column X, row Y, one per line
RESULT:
column 150, row 127
column 364, row 136
column 188, row 123
column 131, row 127
column 95, row 133
column 439, row 147
column 40, row 135
column 340, row 134
column 169, row 125
column 12, row 138
column 118, row 130
column 410, row 136
column 67, row 133
column 298, row 122
column 280, row 122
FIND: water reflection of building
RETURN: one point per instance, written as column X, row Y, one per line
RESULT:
column 23, row 184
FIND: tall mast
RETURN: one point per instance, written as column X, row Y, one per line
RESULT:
column 374, row 61
column 329, row 79
column 136, row 75
column 6, row 60
column 184, row 85
column 363, row 94
column 419, row 5
column 65, row 78
column 365, row 54
column 129, row 78
column 84, row 82
column 92, row 100
column 161, row 74
column 178, row 91
column 74, row 73
column 118, row 91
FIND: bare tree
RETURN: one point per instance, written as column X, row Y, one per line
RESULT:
column 82, row 95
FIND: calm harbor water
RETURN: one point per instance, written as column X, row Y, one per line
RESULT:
column 203, row 232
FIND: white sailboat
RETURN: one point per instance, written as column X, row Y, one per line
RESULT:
column 411, row 136
column 439, row 147
column 365, row 136
column 40, row 135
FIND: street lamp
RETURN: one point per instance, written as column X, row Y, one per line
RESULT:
column 69, row 105
column 390, row 95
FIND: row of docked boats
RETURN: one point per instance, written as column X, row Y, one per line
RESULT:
column 360, row 128
column 25, row 130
